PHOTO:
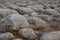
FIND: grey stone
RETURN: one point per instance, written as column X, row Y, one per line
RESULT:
column 51, row 12
column 45, row 17
column 37, row 21
column 58, row 9
column 5, row 12
column 17, row 39
column 27, row 33
column 34, row 14
column 6, row 36
column 55, row 35
column 24, row 10
column 16, row 21
column 38, row 8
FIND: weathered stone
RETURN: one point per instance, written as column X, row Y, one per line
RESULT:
column 55, row 35
column 6, row 36
column 37, row 21
column 45, row 17
column 17, row 39
column 51, row 12
column 5, row 12
column 16, row 21
column 34, row 14
column 27, row 33
column 24, row 10
column 37, row 8
column 58, row 9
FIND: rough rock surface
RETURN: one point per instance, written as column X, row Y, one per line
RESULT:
column 55, row 35
column 51, row 12
column 16, row 21
column 27, row 33
column 24, row 10
column 6, row 36
column 5, row 12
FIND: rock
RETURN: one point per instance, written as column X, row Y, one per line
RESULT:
column 2, row 30
column 5, row 12
column 17, row 39
column 24, row 10
column 29, row 19
column 16, row 21
column 6, row 36
column 34, row 14
column 51, row 12
column 58, row 9
column 36, row 21
column 38, row 9
column 56, row 17
column 39, row 22
column 55, row 35
column 45, row 17
column 27, row 33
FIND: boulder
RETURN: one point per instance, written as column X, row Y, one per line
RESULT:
column 38, row 8
column 45, row 17
column 39, row 22
column 6, row 36
column 5, row 12
column 36, row 21
column 55, row 35
column 24, row 10
column 58, row 9
column 27, row 33
column 17, row 39
column 16, row 21
column 51, row 12
column 34, row 14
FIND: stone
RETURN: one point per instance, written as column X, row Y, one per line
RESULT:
column 27, row 33
column 5, row 12
column 45, row 17
column 16, row 21
column 34, row 14
column 54, row 35
column 39, row 22
column 51, row 12
column 36, row 21
column 17, row 39
column 6, row 36
column 37, row 8
column 24, row 10
column 58, row 9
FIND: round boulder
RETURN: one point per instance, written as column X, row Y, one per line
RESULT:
column 16, row 21
column 55, row 35
column 6, row 36
column 27, row 33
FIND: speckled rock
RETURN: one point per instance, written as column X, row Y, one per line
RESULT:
column 17, row 39
column 27, row 33
column 16, row 21
column 51, row 12
column 24, row 10
column 45, row 17
column 5, row 12
column 34, row 14
column 6, row 36
column 58, row 9
column 36, row 21
column 55, row 35
column 38, row 8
